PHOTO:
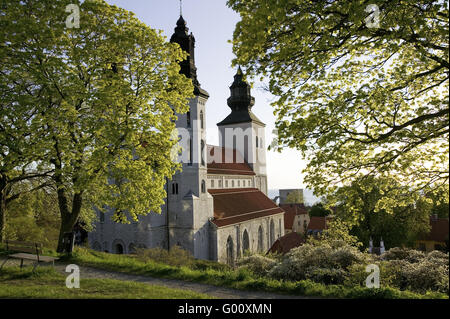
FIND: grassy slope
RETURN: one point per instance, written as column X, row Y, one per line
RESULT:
column 238, row 279
column 47, row 283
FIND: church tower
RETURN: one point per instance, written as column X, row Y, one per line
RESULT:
column 243, row 131
column 189, row 205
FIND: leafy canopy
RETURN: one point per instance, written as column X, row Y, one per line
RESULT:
column 103, row 98
column 355, row 100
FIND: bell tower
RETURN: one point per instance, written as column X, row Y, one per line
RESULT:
column 189, row 205
column 243, row 131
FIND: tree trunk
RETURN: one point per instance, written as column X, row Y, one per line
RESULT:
column 68, row 217
column 2, row 208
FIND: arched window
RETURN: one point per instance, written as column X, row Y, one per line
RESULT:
column 230, row 251
column 239, row 183
column 203, row 152
column 226, row 184
column 188, row 119
column 118, row 249
column 202, row 125
column 203, row 186
column 220, row 183
column 260, row 240
column 245, row 242
column 257, row 140
column 102, row 217
column 190, row 152
column 232, row 183
column 212, row 183
column 272, row 232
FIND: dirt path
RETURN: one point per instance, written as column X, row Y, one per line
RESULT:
column 213, row 291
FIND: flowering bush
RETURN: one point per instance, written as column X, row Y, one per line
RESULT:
column 257, row 264
column 315, row 262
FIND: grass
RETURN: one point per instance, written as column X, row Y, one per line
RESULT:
column 48, row 283
column 239, row 279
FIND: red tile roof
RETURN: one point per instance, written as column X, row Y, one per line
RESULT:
column 229, row 162
column 439, row 230
column 291, row 210
column 318, row 223
column 236, row 205
column 285, row 243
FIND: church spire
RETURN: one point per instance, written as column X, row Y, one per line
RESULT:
column 240, row 101
column 187, row 42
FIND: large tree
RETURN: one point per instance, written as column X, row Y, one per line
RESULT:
column 361, row 87
column 403, row 226
column 106, row 93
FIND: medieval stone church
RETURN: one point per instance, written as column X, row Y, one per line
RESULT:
column 217, row 206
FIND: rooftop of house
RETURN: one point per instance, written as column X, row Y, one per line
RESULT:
column 285, row 243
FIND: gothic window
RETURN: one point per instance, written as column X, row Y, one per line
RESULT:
column 174, row 188
column 203, row 152
column 245, row 242
column 279, row 228
column 230, row 255
column 188, row 119
column 102, row 217
column 202, row 125
column 190, row 152
column 203, row 186
column 272, row 232
column 260, row 240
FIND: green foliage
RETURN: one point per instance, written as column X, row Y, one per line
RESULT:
column 33, row 217
column 402, row 225
column 100, row 101
column 318, row 210
column 337, row 234
column 257, row 264
column 356, row 100
column 237, row 279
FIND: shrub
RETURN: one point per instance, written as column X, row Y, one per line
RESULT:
column 397, row 253
column 305, row 261
column 257, row 264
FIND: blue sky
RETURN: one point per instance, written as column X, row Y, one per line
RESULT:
column 212, row 24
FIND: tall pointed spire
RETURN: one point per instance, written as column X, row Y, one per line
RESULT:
column 187, row 42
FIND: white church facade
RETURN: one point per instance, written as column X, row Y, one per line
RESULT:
column 217, row 206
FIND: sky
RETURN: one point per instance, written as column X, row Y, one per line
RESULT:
column 212, row 24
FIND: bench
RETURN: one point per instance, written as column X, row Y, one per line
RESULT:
column 27, row 251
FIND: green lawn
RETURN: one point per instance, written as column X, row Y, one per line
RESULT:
column 215, row 274
column 47, row 283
